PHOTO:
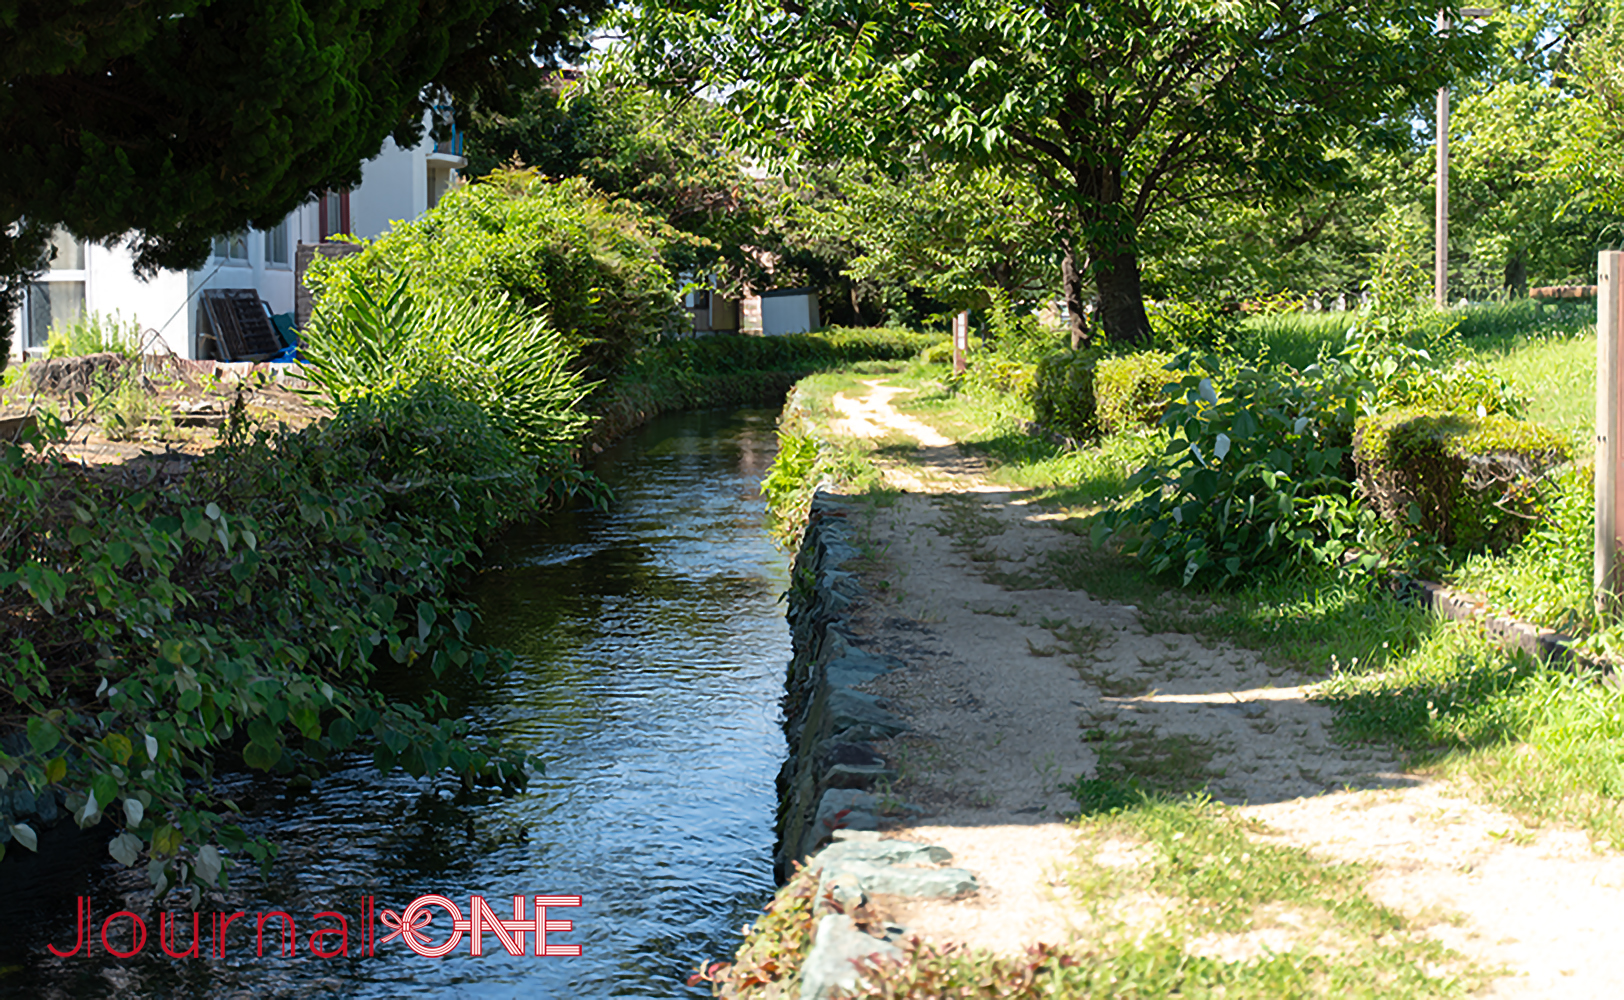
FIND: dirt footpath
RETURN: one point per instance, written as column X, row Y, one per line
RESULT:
column 1016, row 684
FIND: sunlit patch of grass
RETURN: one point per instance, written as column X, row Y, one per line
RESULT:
column 1558, row 375
column 1539, row 741
column 1298, row 621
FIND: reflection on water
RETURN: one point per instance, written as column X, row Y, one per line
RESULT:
column 650, row 649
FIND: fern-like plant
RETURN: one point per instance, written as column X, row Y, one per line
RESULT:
column 487, row 350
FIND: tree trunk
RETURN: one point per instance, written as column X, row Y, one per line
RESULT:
column 1071, row 277
column 1517, row 274
column 1122, row 300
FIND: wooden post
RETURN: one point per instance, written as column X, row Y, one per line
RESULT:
column 961, row 339
column 1609, row 430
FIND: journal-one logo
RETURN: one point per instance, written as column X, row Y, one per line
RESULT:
column 124, row 933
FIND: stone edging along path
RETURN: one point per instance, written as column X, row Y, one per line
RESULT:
column 826, row 786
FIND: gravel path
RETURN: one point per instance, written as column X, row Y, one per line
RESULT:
column 1009, row 692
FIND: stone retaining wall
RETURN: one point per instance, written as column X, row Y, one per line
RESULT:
column 830, row 807
column 829, row 779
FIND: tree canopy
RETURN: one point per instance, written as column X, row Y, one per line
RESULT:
column 167, row 123
column 668, row 156
column 1116, row 110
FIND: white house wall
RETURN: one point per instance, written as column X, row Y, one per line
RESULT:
column 394, row 187
column 111, row 286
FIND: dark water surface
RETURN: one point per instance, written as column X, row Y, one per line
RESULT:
column 650, row 647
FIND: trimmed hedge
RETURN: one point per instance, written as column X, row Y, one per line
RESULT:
column 1062, row 390
column 1462, row 479
column 1131, row 391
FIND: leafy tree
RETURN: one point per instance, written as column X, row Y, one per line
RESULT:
column 1118, row 110
column 670, row 156
column 737, row 227
column 961, row 237
column 170, row 122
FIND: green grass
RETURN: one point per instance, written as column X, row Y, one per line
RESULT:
column 1543, row 743
column 1558, row 375
column 1547, row 578
column 991, row 426
column 1293, row 339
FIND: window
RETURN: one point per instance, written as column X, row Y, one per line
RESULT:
column 276, row 245
column 334, row 214
column 58, row 298
column 232, row 247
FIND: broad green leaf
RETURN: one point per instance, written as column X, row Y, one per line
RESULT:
column 43, row 735
column 261, row 756
column 125, row 849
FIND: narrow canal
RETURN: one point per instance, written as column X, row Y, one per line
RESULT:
column 650, row 647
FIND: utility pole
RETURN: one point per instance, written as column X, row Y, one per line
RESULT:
column 961, row 339
column 1440, row 229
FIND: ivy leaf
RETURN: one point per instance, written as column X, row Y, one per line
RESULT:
column 125, row 849
column 43, row 736
column 134, row 811
column 261, row 756
column 104, row 787
column 89, row 814
column 306, row 720
column 208, row 865
column 341, row 732
column 165, row 839
column 118, row 747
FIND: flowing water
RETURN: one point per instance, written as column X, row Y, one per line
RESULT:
column 650, row 647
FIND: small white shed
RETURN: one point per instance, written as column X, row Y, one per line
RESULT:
column 789, row 310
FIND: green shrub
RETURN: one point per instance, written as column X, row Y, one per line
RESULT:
column 1460, row 479
column 939, row 353
column 1252, row 478
column 1202, row 326
column 1020, row 336
column 788, row 485
column 875, row 343
column 1131, row 391
column 1063, row 393
column 593, row 267
column 125, row 406
column 240, row 611
column 435, row 455
column 1467, row 386
column 996, row 373
column 503, row 358
column 799, row 352
column 93, row 333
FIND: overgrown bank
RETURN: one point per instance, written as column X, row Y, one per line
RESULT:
column 166, row 622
